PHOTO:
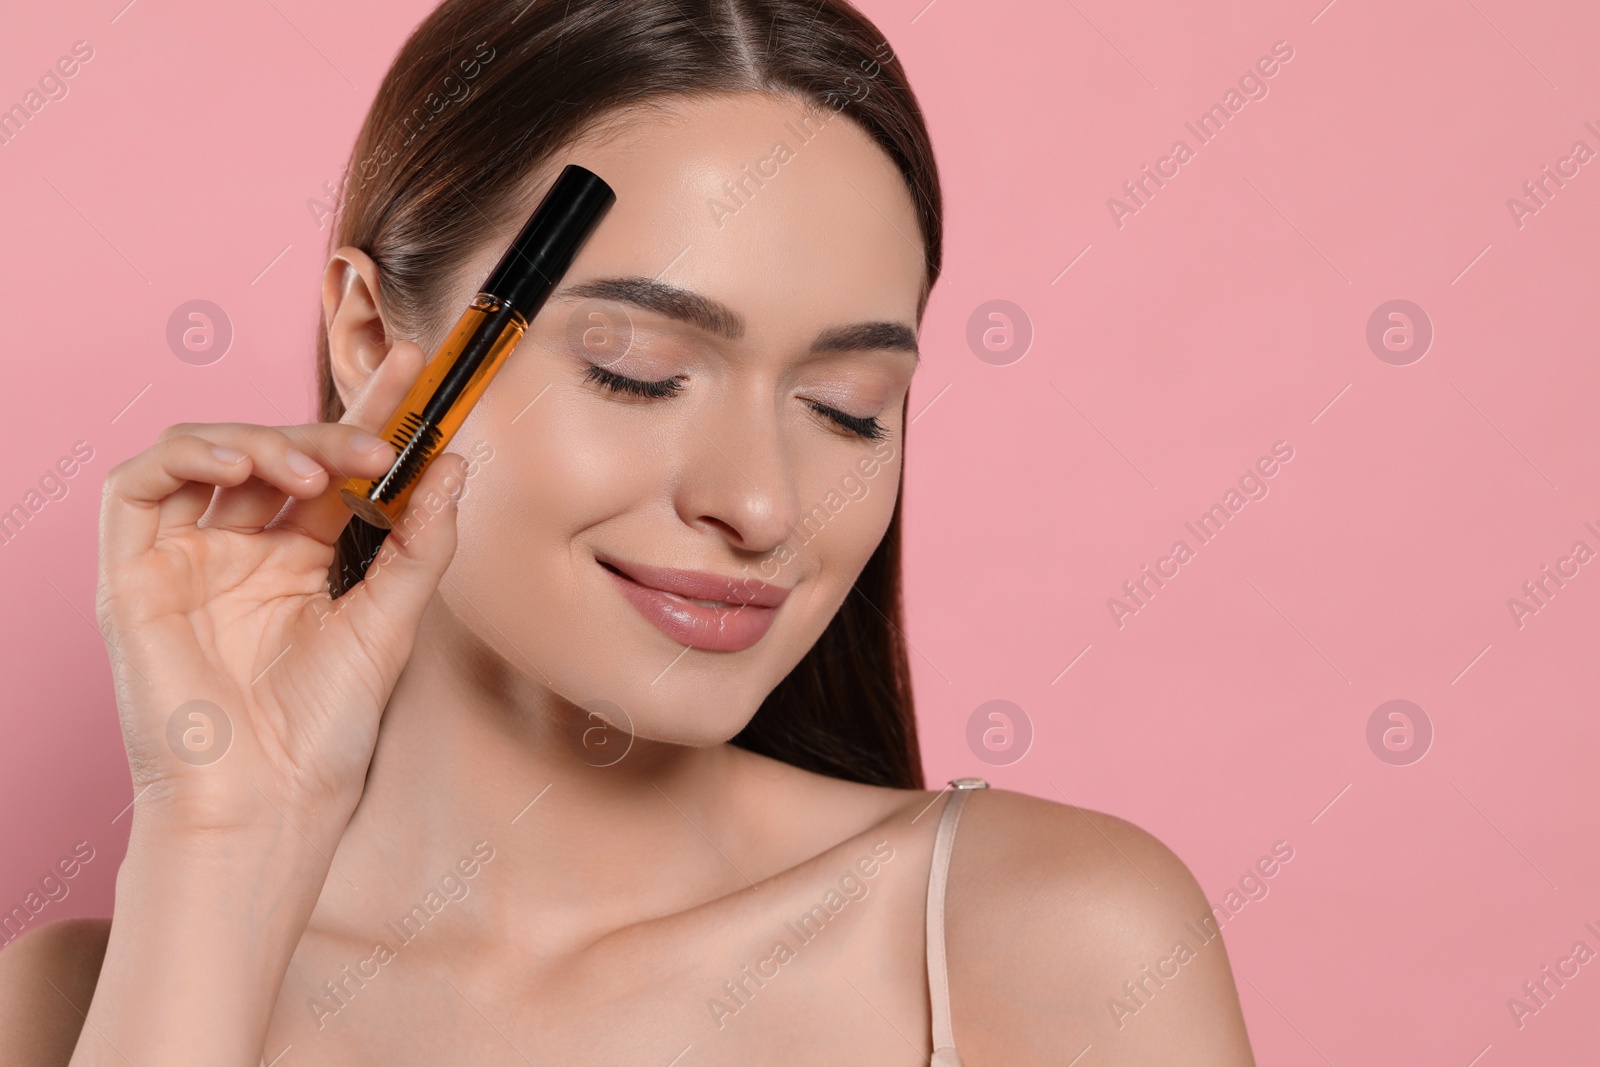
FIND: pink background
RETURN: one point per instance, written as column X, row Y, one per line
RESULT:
column 1227, row 314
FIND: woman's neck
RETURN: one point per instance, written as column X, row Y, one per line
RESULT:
column 474, row 753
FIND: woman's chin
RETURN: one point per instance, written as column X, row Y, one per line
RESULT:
column 690, row 728
column 604, row 731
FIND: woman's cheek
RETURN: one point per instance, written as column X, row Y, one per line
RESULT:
column 575, row 462
column 563, row 467
column 845, row 514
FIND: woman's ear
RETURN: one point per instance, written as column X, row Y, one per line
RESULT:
column 359, row 335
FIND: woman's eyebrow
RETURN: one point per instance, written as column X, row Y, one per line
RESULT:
column 722, row 321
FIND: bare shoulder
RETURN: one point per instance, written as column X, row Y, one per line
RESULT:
column 1070, row 928
column 47, row 977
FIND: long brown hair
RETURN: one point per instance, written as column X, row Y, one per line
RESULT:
column 427, row 182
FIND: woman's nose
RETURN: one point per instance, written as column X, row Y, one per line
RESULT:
column 740, row 477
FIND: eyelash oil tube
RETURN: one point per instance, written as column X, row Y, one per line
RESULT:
column 453, row 380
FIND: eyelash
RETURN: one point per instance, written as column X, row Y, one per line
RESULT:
column 618, row 384
column 868, row 428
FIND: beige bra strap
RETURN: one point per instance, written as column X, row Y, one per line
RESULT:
column 944, row 1042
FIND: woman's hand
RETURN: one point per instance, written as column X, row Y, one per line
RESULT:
column 250, row 704
column 247, row 696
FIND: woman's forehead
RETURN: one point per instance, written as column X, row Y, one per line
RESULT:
column 759, row 201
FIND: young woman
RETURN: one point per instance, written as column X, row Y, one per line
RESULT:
column 608, row 755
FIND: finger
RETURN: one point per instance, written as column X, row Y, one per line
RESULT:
column 370, row 410
column 386, row 607
column 383, row 391
column 255, row 504
column 273, row 460
column 341, row 451
column 136, row 490
column 311, row 460
column 244, row 508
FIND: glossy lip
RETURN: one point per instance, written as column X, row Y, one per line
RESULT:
column 663, row 596
column 700, row 585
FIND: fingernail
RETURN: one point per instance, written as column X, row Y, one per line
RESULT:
column 226, row 455
column 365, row 442
column 302, row 464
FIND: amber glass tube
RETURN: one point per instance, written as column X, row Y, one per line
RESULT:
column 440, row 400
column 437, row 404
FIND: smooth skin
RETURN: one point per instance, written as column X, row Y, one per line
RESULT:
column 578, row 893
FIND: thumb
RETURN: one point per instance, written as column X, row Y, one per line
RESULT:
column 404, row 574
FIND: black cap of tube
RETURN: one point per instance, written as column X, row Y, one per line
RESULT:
column 550, row 239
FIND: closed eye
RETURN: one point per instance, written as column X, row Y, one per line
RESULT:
column 632, row 386
column 866, row 427
column 870, row 428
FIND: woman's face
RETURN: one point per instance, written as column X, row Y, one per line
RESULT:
column 764, row 262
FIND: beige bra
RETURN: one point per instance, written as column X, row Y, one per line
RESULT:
column 944, row 1042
